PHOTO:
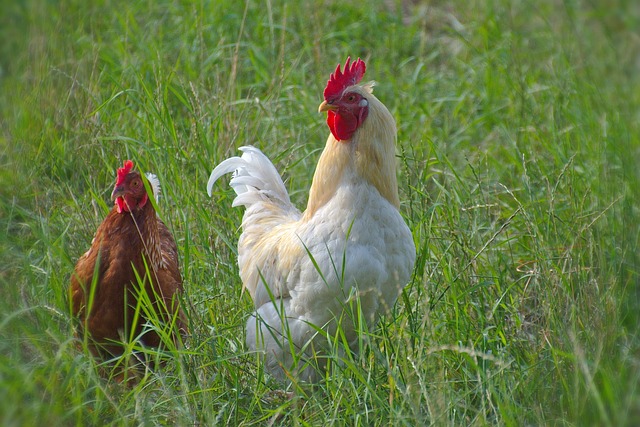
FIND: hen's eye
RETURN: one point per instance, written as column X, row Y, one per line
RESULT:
column 352, row 98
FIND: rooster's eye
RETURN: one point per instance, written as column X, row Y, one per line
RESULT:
column 351, row 98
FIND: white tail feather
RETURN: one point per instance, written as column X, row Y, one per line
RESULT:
column 254, row 178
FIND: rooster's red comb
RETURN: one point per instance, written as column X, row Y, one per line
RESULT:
column 123, row 171
column 340, row 80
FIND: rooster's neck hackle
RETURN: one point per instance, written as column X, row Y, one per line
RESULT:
column 151, row 237
column 370, row 155
column 143, row 224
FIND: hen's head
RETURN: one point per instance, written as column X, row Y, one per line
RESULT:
column 129, row 192
column 345, row 102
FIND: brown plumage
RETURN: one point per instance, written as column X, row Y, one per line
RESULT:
column 131, row 241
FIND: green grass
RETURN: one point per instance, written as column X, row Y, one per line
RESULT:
column 518, row 168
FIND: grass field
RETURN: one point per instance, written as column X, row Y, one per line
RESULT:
column 518, row 154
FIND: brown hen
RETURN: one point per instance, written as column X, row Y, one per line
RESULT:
column 130, row 277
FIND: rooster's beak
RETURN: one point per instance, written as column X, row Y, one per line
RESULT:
column 325, row 106
column 118, row 191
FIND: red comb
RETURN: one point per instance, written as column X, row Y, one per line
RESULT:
column 123, row 171
column 339, row 81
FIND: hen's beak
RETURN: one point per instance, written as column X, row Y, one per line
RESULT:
column 325, row 106
column 118, row 191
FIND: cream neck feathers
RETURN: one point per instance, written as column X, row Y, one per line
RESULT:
column 370, row 154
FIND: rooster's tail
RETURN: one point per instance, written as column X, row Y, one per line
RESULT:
column 255, row 179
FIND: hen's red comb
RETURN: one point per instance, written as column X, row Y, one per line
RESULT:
column 340, row 80
column 123, row 171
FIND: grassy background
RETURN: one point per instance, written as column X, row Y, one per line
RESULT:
column 518, row 170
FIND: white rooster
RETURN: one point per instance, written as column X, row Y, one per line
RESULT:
column 302, row 269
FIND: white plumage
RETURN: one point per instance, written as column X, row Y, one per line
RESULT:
column 301, row 269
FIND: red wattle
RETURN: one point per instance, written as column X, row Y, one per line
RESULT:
column 121, row 205
column 331, row 117
column 344, row 126
column 341, row 127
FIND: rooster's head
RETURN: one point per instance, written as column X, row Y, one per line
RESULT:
column 345, row 102
column 129, row 192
